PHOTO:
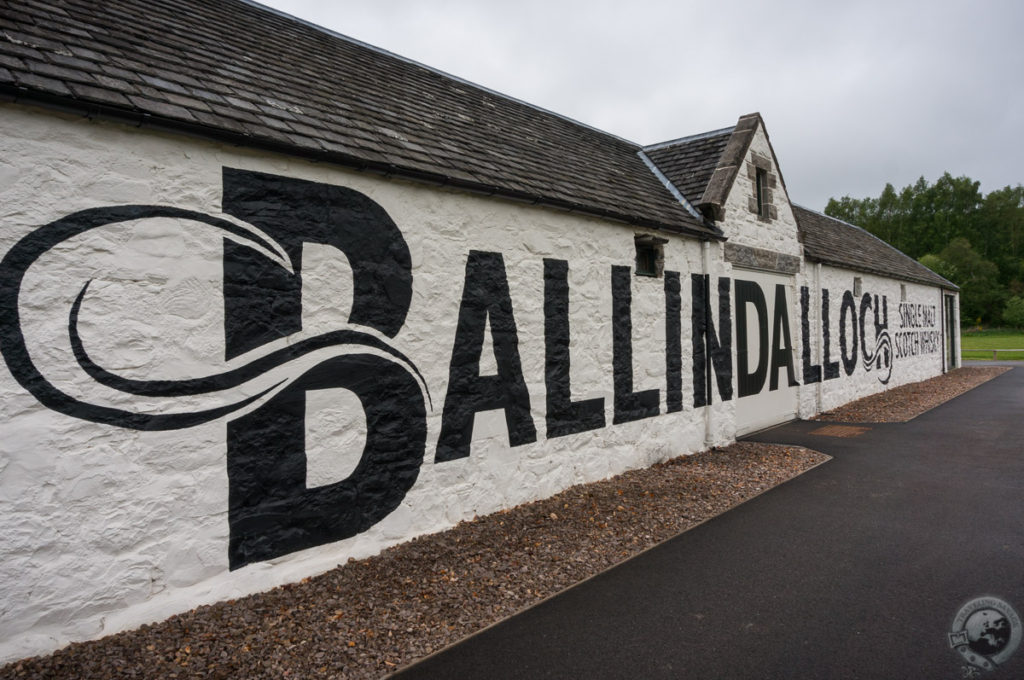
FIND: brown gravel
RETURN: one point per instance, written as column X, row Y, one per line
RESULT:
column 906, row 402
column 366, row 618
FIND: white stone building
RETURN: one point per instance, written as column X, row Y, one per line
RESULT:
column 271, row 298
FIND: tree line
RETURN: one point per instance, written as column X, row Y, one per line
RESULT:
column 974, row 240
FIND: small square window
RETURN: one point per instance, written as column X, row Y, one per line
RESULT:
column 650, row 255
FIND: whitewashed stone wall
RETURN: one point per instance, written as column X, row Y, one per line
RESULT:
column 913, row 332
column 104, row 527
column 744, row 227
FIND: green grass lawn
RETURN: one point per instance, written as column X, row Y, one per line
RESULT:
column 975, row 342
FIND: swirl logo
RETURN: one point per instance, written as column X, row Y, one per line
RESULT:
column 268, row 219
column 880, row 357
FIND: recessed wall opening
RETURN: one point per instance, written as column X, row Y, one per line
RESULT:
column 650, row 255
column 761, row 186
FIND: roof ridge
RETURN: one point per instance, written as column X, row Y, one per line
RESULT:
column 690, row 138
column 437, row 71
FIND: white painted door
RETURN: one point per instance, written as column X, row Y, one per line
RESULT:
column 766, row 336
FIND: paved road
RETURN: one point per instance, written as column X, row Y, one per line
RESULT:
column 853, row 570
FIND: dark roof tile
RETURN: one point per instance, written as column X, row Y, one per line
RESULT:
column 33, row 39
column 41, row 83
column 841, row 244
column 159, row 108
column 99, row 94
column 23, row 51
column 689, row 163
column 113, row 83
column 72, row 62
column 86, row 53
column 61, row 73
column 163, row 84
column 11, row 61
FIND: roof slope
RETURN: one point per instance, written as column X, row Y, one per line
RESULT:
column 689, row 162
column 246, row 74
column 831, row 241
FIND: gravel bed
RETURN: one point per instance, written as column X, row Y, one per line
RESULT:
column 367, row 618
column 905, row 402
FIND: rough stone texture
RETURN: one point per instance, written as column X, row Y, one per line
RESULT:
column 369, row 617
column 744, row 227
column 106, row 528
column 923, row 360
column 732, row 159
column 758, row 258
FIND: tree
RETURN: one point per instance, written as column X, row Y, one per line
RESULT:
column 981, row 296
column 982, row 233
column 1013, row 313
column 939, row 266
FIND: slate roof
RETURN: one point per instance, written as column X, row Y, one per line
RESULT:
column 689, row 162
column 246, row 74
column 707, row 165
column 834, row 242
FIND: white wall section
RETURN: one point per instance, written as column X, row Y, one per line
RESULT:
column 406, row 356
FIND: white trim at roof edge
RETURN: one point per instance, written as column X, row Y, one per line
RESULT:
column 668, row 185
column 691, row 138
column 463, row 81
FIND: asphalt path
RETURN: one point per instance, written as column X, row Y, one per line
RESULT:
column 856, row 569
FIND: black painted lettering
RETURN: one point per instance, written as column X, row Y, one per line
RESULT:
column 711, row 351
column 866, row 349
column 848, row 308
column 782, row 341
column 749, row 293
column 830, row 368
column 485, row 297
column 673, row 343
column 270, row 510
column 629, row 405
column 564, row 416
column 812, row 371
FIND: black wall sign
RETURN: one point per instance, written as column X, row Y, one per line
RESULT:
column 564, row 416
column 629, row 405
column 711, row 351
column 673, row 343
column 749, row 294
column 812, row 372
column 272, row 511
column 485, row 297
column 782, row 342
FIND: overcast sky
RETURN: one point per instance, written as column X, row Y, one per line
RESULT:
column 854, row 95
